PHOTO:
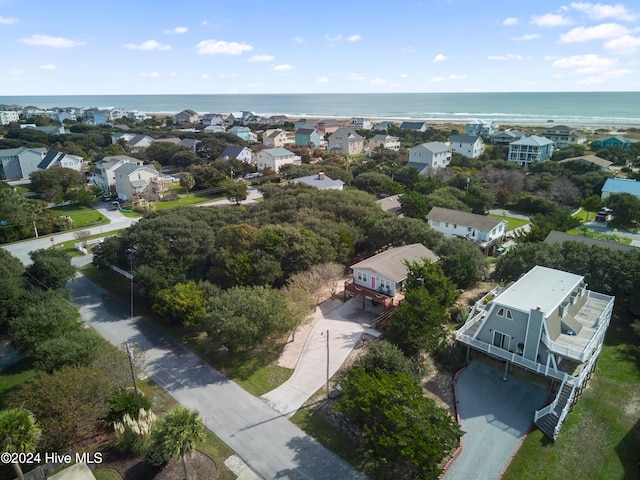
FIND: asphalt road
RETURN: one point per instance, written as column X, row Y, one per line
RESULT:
column 266, row 440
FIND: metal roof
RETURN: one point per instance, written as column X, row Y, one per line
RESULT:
column 621, row 185
column 465, row 219
column 534, row 140
column 391, row 263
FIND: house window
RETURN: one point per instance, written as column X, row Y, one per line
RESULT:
column 501, row 340
column 509, row 316
column 364, row 277
column 501, row 312
column 446, row 224
column 435, row 223
column 469, row 229
column 455, row 225
column 359, row 275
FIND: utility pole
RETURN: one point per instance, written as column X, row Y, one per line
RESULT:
column 327, row 364
column 35, row 229
column 133, row 375
column 131, row 258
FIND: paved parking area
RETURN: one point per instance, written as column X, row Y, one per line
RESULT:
column 495, row 416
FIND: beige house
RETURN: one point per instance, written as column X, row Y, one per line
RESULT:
column 275, row 138
column 387, row 142
column 132, row 181
column 346, row 141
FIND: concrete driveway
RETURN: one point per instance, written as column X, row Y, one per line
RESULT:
column 345, row 322
column 495, row 415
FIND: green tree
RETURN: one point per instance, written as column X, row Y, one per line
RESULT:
column 187, row 181
column 542, row 223
column 19, row 433
column 406, row 431
column 626, row 209
column 183, row 302
column 176, row 435
column 460, row 269
column 235, row 191
column 414, row 204
column 51, row 268
column 53, row 181
column 592, row 203
column 386, row 357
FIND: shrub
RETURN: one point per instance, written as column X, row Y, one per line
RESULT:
column 124, row 402
column 133, row 434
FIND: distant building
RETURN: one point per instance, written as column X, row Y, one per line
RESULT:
column 505, row 137
column 593, row 160
column 275, row 138
column 563, row 136
column 613, row 186
column 305, row 137
column 387, row 142
column 476, row 127
column 415, row 126
column 275, row 158
column 484, row 231
column 327, row 126
column 243, row 154
column 530, row 150
column 383, row 126
column 470, row 147
column 244, row 133
column 53, row 158
column 9, row 116
column 613, row 142
column 346, row 141
column 360, row 123
column 212, row 119
column 187, row 116
column 429, row 156
column 320, row 181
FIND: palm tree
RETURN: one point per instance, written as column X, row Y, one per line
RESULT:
column 19, row 433
column 187, row 181
column 176, row 435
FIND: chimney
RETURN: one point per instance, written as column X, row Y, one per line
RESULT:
column 320, row 175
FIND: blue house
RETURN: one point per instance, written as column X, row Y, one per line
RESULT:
column 307, row 136
column 529, row 150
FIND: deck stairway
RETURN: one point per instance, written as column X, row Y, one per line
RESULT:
column 551, row 422
column 380, row 323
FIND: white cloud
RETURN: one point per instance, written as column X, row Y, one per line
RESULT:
column 456, row 76
column 215, row 47
column 323, row 80
column 7, row 20
column 505, row 58
column 148, row 45
column 179, row 30
column 624, row 45
column 204, row 76
column 527, row 37
column 354, row 38
column 550, row 20
column 404, row 75
column 589, row 63
column 438, row 79
column 356, row 76
column 282, row 68
column 598, row 11
column 49, row 41
column 150, row 74
column 261, row 58
column 439, row 58
column 335, row 38
column 599, row 32
column 298, row 40
column 510, row 21
column 48, row 66
column 379, row 81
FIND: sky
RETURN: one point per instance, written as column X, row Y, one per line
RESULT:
column 74, row 47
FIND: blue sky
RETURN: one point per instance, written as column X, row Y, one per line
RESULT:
column 161, row 47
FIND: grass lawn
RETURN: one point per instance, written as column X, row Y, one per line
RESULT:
column 512, row 223
column 600, row 437
column 23, row 189
column 106, row 474
column 191, row 199
column 585, row 216
column 611, row 237
column 256, row 371
column 13, row 377
column 82, row 216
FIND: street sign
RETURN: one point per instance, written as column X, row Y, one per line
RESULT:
column 52, row 240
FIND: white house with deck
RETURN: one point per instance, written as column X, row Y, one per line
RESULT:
column 485, row 231
column 547, row 322
column 275, row 158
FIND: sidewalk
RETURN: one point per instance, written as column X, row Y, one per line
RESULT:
column 345, row 323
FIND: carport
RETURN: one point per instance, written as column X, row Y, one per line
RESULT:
column 495, row 415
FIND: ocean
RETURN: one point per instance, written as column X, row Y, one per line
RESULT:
column 606, row 109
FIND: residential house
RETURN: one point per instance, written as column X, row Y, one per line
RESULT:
column 484, row 231
column 592, row 160
column 360, row 123
column 190, row 143
column 275, row 138
column 212, row 119
column 187, row 116
column 104, row 174
column 242, row 118
column 93, row 116
column 305, row 137
column 390, row 204
column 214, row 129
column 381, row 140
column 529, row 150
column 121, row 137
column 132, row 181
column 18, row 163
column 430, row 156
column 9, row 116
column 275, row 158
column 561, row 237
column 303, row 123
column 383, row 126
column 116, row 114
column 415, row 126
column 53, row 158
column 470, row 147
column 383, row 276
column 139, row 142
column 320, row 181
column 136, row 116
column 346, row 141
column 477, row 127
column 49, row 130
column 327, row 126
column 505, row 137
column 241, row 153
column 278, row 119
column 547, row 322
column 563, row 136
column 244, row 133
column 613, row 142
column 613, row 186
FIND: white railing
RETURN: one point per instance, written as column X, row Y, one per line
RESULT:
column 552, row 406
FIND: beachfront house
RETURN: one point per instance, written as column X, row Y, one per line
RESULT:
column 346, row 141
column 275, row 158
column 529, row 150
column 384, row 126
column 306, row 137
column 486, row 232
column 209, row 119
column 9, row 116
column 470, row 147
column 563, row 136
column 429, row 156
column 360, row 123
column 327, row 125
column 614, row 186
column 186, row 116
column 320, row 181
column 382, row 141
column 275, row 138
column 18, row 163
column 415, row 126
column 505, row 137
column 243, row 154
column 547, row 322
column 613, row 142
column 132, row 181
column 592, row 160
column 244, row 133
column 476, row 127
column 303, row 123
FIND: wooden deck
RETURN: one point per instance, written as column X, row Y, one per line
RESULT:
column 587, row 317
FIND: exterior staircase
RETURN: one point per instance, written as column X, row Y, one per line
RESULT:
column 380, row 323
column 550, row 423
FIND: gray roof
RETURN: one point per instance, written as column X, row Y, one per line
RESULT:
column 188, row 142
column 412, row 125
column 601, row 162
column 129, row 168
column 391, row 263
column 305, row 131
column 417, row 165
column 533, row 140
column 320, row 183
column 383, row 125
column 434, row 147
column 138, row 138
column 390, row 204
column 464, row 138
column 232, row 151
column 561, row 237
column 278, row 152
column 466, row 219
column 540, row 287
column 50, row 158
column 108, row 162
column 349, row 131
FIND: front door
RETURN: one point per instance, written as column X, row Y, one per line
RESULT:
column 501, row 340
column 373, row 282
